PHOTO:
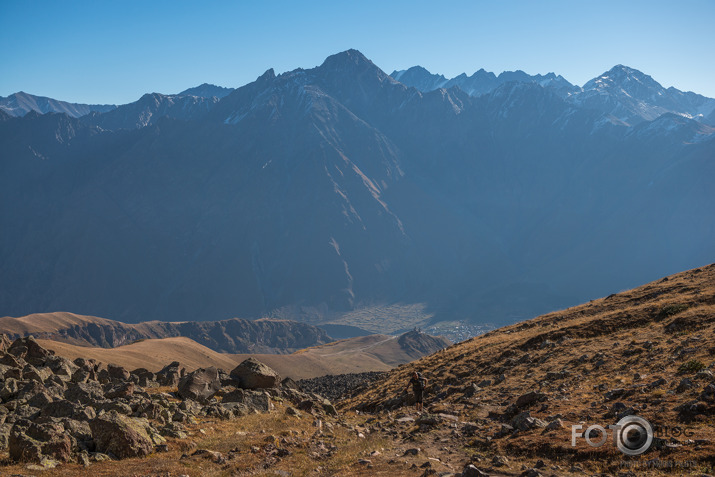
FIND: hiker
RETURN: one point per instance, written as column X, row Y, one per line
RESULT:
column 418, row 383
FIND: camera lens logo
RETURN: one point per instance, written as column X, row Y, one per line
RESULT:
column 634, row 435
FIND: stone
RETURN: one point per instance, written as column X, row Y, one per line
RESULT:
column 256, row 400
column 427, row 419
column 62, row 367
column 524, row 422
column 704, row 374
column 29, row 390
column 555, row 424
column 31, row 441
column 30, row 350
column 215, row 456
column 499, row 461
column 614, row 393
column 200, row 385
column 117, row 373
column 65, row 408
column 9, row 389
column 530, row 398
column 658, row 382
column 122, row 436
column 170, row 374
column 144, row 377
column 290, row 384
column 122, row 390
column 78, row 429
column 85, row 392
column 471, row 471
column 29, row 372
column 471, row 390
column 684, row 385
column 174, row 429
column 252, row 374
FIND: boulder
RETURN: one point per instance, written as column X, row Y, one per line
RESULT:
column 62, row 367
column 5, row 342
column 170, row 374
column 9, row 389
column 121, row 390
column 252, row 374
column 254, row 400
column 30, row 350
column 530, row 398
column 200, row 385
column 36, row 374
column 471, row 471
column 117, row 373
column 31, row 441
column 29, row 390
column 523, row 421
column 64, row 408
column 85, row 393
column 14, row 362
column 4, row 434
column 143, row 377
column 122, row 436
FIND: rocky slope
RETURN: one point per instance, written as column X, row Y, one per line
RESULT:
column 515, row 392
column 225, row 336
column 55, row 410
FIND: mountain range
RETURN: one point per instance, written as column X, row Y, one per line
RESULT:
column 623, row 92
column 340, row 187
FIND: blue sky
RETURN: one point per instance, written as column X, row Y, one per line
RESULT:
column 114, row 51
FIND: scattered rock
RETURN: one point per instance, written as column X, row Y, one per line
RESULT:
column 530, row 398
column 471, row 471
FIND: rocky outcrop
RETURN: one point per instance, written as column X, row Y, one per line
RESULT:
column 56, row 411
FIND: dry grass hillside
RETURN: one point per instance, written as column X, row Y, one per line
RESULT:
column 354, row 355
column 38, row 323
column 150, row 354
column 649, row 351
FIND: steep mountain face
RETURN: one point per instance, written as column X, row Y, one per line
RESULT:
column 207, row 91
column 21, row 103
column 420, row 78
column 225, row 336
column 149, row 108
column 635, row 97
column 337, row 187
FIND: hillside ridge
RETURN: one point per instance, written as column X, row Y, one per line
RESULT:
column 227, row 336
